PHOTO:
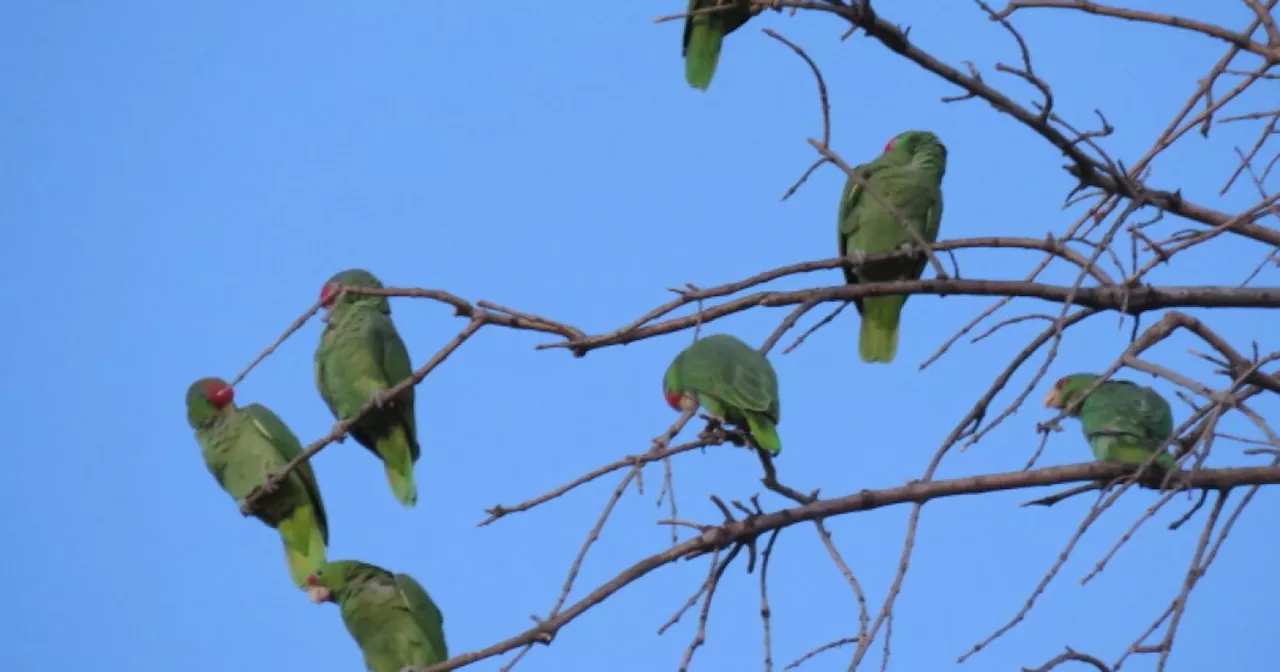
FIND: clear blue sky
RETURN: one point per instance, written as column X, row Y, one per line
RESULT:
column 178, row 179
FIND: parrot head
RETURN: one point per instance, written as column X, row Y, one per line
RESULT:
column 908, row 144
column 1068, row 389
column 329, row 579
column 355, row 277
column 205, row 400
column 673, row 389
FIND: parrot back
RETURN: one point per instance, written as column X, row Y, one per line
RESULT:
column 1121, row 415
column 380, row 621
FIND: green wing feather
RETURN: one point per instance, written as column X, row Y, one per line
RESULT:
column 1125, row 422
column 735, row 381
column 288, row 446
column 393, row 357
column 426, row 614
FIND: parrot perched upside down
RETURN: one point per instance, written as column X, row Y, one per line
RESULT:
column 391, row 617
column 730, row 379
column 1123, row 421
column 242, row 447
column 360, row 357
column 908, row 176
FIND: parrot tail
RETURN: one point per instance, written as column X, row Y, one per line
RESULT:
column 878, row 335
column 397, row 460
column 304, row 548
column 703, row 52
column 764, row 432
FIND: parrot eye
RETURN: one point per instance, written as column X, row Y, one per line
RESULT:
column 327, row 294
column 219, row 394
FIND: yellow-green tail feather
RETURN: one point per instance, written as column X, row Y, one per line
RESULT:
column 878, row 335
column 703, row 53
column 764, row 432
column 398, row 464
column 304, row 547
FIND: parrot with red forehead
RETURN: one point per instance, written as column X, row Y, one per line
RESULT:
column 243, row 447
column 392, row 618
column 1122, row 421
column 908, row 176
column 704, row 34
column 732, row 381
column 360, row 357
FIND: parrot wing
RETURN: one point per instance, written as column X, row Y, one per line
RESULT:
column 392, row 357
column 286, row 443
column 734, row 380
column 425, row 613
column 848, row 220
column 322, row 352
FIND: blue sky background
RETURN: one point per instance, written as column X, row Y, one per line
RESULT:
column 178, row 179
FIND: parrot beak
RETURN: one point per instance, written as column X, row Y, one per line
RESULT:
column 1053, row 401
column 318, row 594
column 688, row 402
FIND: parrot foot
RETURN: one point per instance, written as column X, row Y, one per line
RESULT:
column 714, row 426
column 379, row 399
column 268, row 486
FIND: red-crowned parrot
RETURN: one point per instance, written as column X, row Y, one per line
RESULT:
column 242, row 447
column 1123, row 421
column 704, row 33
column 732, row 381
column 391, row 617
column 908, row 176
column 359, row 358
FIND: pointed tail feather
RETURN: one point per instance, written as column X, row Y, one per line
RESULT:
column 764, row 432
column 397, row 460
column 304, row 547
column 702, row 54
column 402, row 485
column 878, row 335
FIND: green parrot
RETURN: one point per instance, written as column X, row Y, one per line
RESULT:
column 1122, row 421
column 390, row 616
column 703, row 35
column 359, row 358
column 242, row 447
column 730, row 379
column 908, row 175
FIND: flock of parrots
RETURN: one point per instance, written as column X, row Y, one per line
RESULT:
column 361, row 356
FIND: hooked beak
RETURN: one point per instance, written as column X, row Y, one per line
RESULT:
column 318, row 594
column 688, row 402
column 1053, row 400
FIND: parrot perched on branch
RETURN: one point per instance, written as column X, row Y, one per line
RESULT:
column 908, row 176
column 359, row 358
column 704, row 33
column 391, row 617
column 1123, row 421
column 242, row 447
column 733, row 381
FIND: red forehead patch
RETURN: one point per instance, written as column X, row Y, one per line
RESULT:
column 673, row 400
column 312, row 580
column 219, row 394
column 889, row 146
column 327, row 293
